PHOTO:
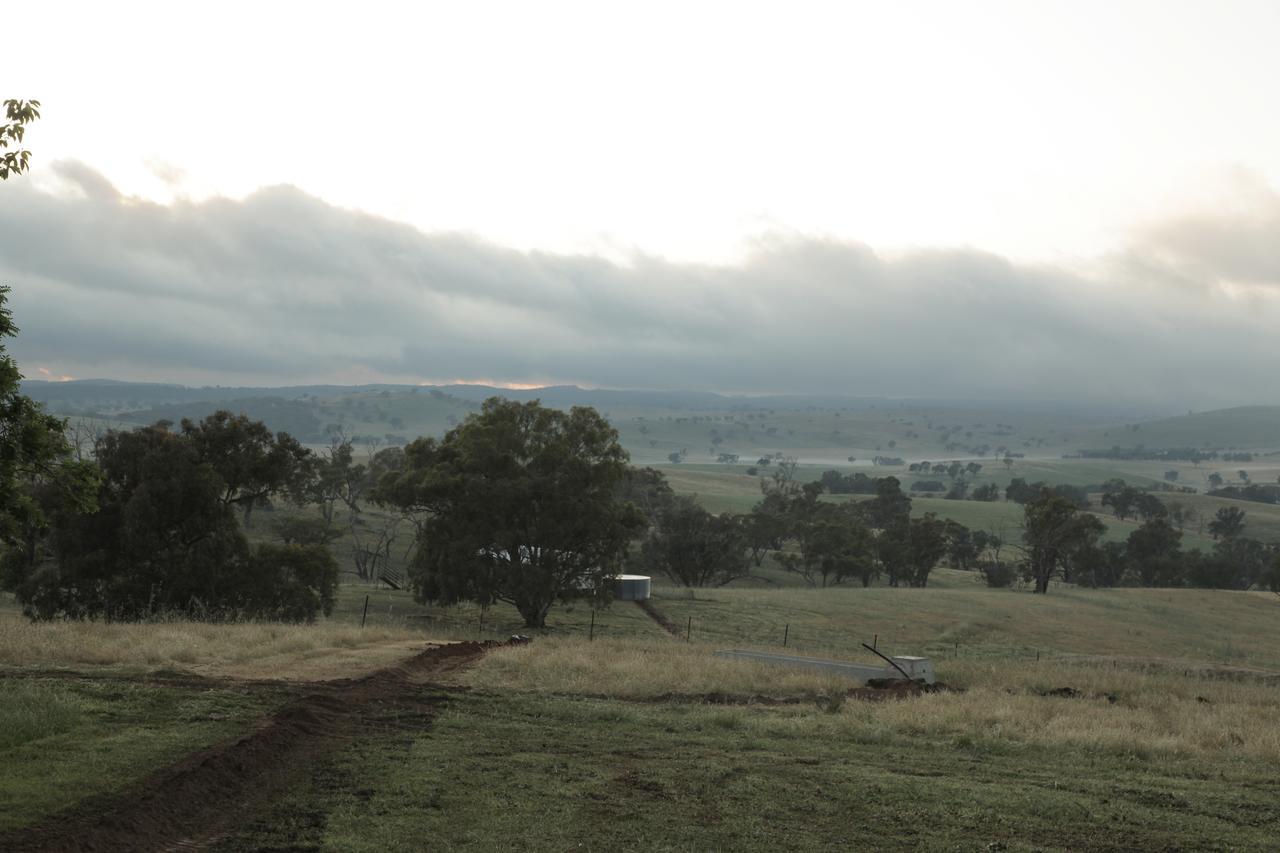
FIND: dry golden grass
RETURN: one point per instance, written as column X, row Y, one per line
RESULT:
column 243, row 650
column 634, row 669
column 1117, row 712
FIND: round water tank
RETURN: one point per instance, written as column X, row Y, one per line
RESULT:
column 631, row 587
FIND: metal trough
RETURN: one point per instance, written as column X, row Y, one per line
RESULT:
column 917, row 667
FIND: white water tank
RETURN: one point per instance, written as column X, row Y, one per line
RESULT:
column 631, row 587
column 917, row 668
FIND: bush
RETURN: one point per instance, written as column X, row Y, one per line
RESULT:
column 293, row 583
column 998, row 575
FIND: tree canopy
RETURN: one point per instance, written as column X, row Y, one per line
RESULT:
column 18, row 114
column 521, row 505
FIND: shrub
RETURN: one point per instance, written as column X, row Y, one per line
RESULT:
column 998, row 575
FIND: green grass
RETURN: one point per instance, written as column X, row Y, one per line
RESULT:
column 504, row 772
column 1221, row 627
column 62, row 741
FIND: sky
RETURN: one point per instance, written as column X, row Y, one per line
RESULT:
column 914, row 199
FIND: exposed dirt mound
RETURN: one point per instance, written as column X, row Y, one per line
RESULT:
column 878, row 689
column 194, row 801
column 883, row 688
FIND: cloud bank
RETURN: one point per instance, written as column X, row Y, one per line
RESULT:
column 281, row 287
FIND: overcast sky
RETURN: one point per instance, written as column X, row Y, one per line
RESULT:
column 910, row 199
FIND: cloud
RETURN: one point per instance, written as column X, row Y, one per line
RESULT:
column 283, row 287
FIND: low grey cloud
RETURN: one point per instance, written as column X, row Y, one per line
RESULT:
column 281, row 287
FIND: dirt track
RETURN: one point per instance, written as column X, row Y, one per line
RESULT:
column 193, row 803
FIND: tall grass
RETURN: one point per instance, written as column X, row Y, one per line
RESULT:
column 637, row 669
column 1007, row 705
column 248, row 650
column 31, row 712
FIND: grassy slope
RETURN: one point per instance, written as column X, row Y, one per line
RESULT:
column 62, row 740
column 501, row 772
column 534, row 756
column 80, row 715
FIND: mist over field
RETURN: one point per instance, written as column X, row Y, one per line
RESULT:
column 283, row 288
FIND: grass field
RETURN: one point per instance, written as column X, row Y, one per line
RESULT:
column 65, row 740
column 650, row 743
column 1170, row 741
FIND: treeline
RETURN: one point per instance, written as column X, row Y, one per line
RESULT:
column 1194, row 455
column 826, row 543
column 1152, row 554
column 150, row 521
column 1258, row 493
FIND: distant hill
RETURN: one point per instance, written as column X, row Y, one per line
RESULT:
column 699, row 425
column 1240, row 428
column 299, row 418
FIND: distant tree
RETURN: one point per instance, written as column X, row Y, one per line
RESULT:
column 692, row 547
column 1101, row 566
column 304, row 530
column 18, row 114
column 766, row 526
column 988, row 492
column 1243, row 475
column 1171, row 475
column 676, row 457
column 1181, row 515
column 1154, row 550
column 1122, row 500
column 648, row 490
column 909, row 548
column 783, row 481
column 973, row 468
column 1228, row 522
column 1215, row 480
column 890, row 506
column 1149, row 507
column 1053, row 532
column 963, row 547
column 520, row 505
column 834, row 545
column 1019, row 492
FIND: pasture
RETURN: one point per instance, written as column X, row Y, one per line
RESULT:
column 1168, row 738
column 1079, row 720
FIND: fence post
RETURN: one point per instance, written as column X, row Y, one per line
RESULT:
column 688, row 631
column 875, row 641
column 785, row 632
column 591, row 632
column 365, row 614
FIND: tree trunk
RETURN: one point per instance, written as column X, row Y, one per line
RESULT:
column 534, row 613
